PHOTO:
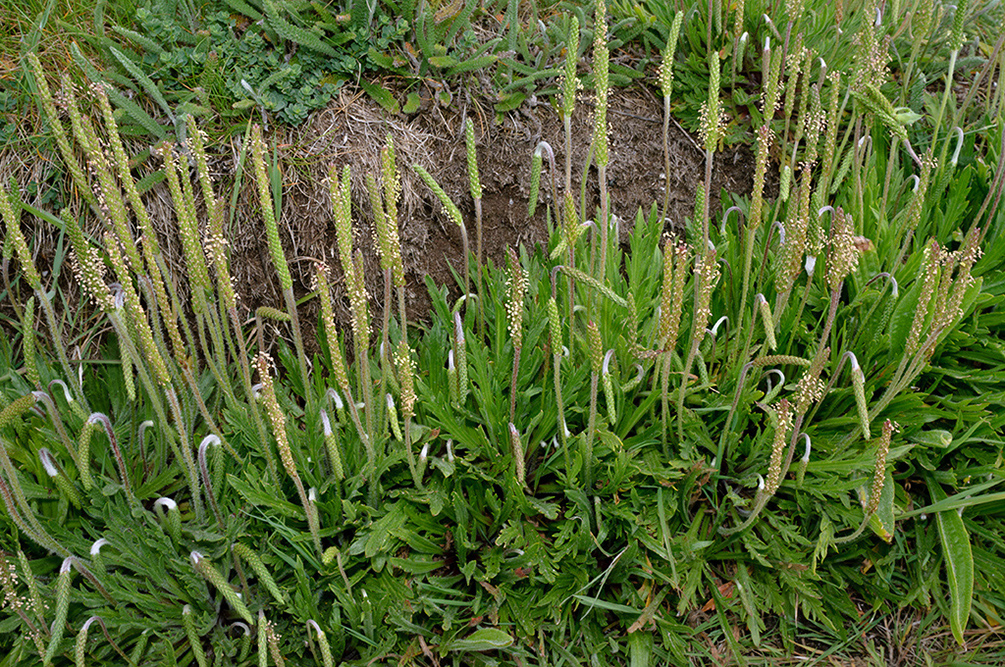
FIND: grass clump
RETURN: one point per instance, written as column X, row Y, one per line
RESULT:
column 559, row 465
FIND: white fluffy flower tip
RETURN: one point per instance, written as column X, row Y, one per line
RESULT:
column 67, row 564
column 336, row 399
column 101, row 417
column 166, row 503
column 196, row 557
column 66, row 392
column 47, row 462
column 96, row 547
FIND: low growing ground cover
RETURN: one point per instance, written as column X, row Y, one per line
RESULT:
column 774, row 434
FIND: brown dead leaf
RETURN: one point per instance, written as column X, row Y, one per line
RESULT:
column 725, row 590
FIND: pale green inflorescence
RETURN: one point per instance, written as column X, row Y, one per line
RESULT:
column 601, row 66
column 268, row 209
column 570, row 82
column 782, row 428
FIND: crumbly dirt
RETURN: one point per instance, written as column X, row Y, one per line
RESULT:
column 352, row 132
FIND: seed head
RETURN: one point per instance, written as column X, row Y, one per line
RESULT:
column 879, row 471
column 844, row 252
column 469, row 142
column 406, row 372
column 784, row 414
column 666, row 66
column 517, row 285
column 570, row 82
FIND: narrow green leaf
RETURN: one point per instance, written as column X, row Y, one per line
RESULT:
column 604, row 604
column 260, row 498
column 149, row 44
column 486, row 639
column 381, row 96
column 148, row 85
column 118, row 99
column 442, row 61
column 959, row 560
column 510, row 101
column 472, row 64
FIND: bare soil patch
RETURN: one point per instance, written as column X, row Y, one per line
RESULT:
column 353, row 131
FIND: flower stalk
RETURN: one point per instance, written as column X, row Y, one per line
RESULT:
column 278, row 421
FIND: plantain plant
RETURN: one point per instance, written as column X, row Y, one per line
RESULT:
column 518, row 476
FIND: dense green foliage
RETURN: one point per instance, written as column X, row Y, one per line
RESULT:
column 778, row 428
